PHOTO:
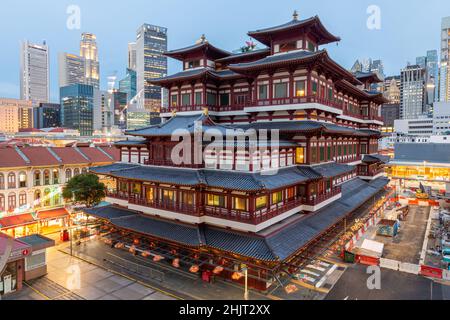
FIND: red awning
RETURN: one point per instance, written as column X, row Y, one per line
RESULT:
column 16, row 221
column 52, row 214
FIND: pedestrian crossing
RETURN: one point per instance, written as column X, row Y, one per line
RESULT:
column 314, row 275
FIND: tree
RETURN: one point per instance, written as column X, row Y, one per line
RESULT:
column 85, row 188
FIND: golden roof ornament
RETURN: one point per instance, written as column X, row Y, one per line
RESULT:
column 295, row 15
column 174, row 112
column 201, row 40
column 205, row 111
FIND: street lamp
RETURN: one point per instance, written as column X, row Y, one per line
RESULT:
column 244, row 268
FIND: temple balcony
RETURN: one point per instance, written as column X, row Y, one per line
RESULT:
column 169, row 163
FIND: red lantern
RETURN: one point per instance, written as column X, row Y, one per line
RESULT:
column 145, row 254
column 132, row 249
column 237, row 276
column 176, row 263
column 194, row 269
column 157, row 258
column 136, row 241
column 217, row 270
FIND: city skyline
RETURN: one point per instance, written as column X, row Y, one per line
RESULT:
column 113, row 39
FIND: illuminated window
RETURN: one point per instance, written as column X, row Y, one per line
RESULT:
column 300, row 88
column 46, row 178
column 240, row 204
column 22, row 180
column 136, row 188
column 277, row 197
column 168, row 195
column 55, row 176
column 188, row 198
column 150, row 194
column 300, row 155
column 291, row 193
column 216, row 200
column 261, row 202
column 174, row 100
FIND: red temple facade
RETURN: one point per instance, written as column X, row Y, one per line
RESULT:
column 259, row 201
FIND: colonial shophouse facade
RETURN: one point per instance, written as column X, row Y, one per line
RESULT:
column 32, row 178
column 249, row 201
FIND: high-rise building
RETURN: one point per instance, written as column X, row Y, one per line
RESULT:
column 433, row 75
column 89, row 52
column 34, row 72
column 444, row 79
column 128, row 84
column 71, row 69
column 421, row 61
column 391, row 90
column 151, row 43
column 119, row 105
column 47, row 115
column 106, row 111
column 15, row 115
column 412, row 92
column 132, row 56
column 80, row 108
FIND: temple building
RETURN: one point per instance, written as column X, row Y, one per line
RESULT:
column 259, row 155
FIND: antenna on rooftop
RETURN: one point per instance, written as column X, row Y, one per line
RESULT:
column 295, row 15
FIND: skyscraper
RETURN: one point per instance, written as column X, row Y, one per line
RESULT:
column 71, row 69
column 151, row 43
column 444, row 79
column 412, row 92
column 132, row 56
column 128, row 84
column 15, row 115
column 89, row 52
column 47, row 115
column 433, row 74
column 80, row 108
column 34, row 72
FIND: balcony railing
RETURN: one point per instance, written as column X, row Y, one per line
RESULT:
column 317, row 199
column 255, row 218
column 169, row 163
column 296, row 100
column 370, row 173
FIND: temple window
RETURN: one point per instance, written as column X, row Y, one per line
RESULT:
column 329, row 153
column 186, row 99
column 150, row 194
column 193, row 64
column 224, row 99
column 281, row 90
column 240, row 204
column 188, row 198
column 300, row 88
column 136, row 188
column 240, row 99
column 290, row 193
column 215, row 200
column 277, row 197
column 198, row 98
column 211, row 99
column 311, row 46
column 288, row 46
column 174, row 100
column 314, row 87
column 261, row 202
column 168, row 195
column 313, row 151
column 322, row 153
column 300, row 155
column 263, row 92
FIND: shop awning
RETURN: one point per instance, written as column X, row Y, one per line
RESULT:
column 53, row 214
column 16, row 221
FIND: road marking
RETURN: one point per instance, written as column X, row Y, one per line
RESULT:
column 311, row 287
column 37, row 291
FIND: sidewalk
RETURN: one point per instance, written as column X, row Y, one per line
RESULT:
column 70, row 278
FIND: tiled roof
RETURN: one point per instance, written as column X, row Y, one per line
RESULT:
column 10, row 158
column 276, row 59
column 375, row 158
column 313, row 22
column 422, row 152
column 180, row 122
column 40, row 156
column 53, row 156
column 243, row 55
column 16, row 220
column 231, row 180
column 334, row 169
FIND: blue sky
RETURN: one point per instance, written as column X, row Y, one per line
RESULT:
column 408, row 28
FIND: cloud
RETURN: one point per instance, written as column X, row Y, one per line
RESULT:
column 9, row 90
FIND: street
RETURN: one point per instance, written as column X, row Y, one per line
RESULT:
column 395, row 285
